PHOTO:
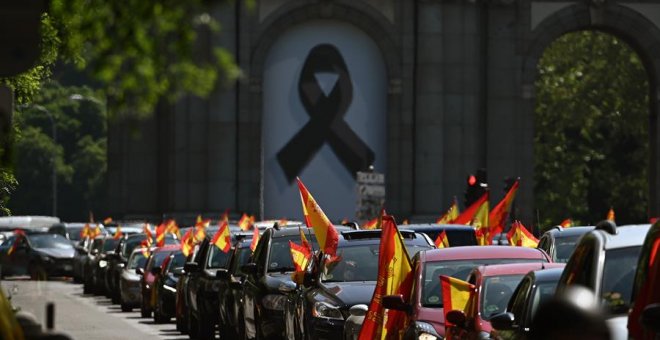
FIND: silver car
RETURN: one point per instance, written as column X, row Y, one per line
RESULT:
column 129, row 281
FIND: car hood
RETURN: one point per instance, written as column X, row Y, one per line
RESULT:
column 273, row 281
column 57, row 252
column 350, row 293
column 433, row 316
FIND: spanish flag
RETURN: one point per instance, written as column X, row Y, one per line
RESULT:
column 325, row 232
column 442, row 241
column 172, row 228
column 85, row 232
column 520, row 236
column 118, row 234
column 19, row 236
column 451, row 214
column 244, row 222
column 456, row 295
column 95, row 232
column 225, row 216
column 481, row 223
column 255, row 239
column 187, row 242
column 161, row 229
column 199, row 234
column 222, row 238
column 372, row 224
column 146, row 228
column 610, row 215
column 107, row 220
column 467, row 216
column 567, row 223
column 498, row 216
column 303, row 240
column 202, row 223
column 394, row 277
column 300, row 256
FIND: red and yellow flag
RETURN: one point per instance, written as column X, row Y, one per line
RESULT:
column 468, row 215
column 520, row 236
column 202, row 223
column 107, row 220
column 172, row 228
column 96, row 231
column 456, row 295
column 300, row 256
column 187, row 242
column 610, row 215
column 303, row 240
column 394, row 277
column 442, row 241
column 326, row 234
column 244, row 222
column 222, row 238
column 161, row 230
column 199, row 234
column 451, row 214
column 481, row 224
column 118, row 234
column 255, row 239
column 85, row 232
column 225, row 216
column 372, row 224
column 19, row 236
column 498, row 216
column 567, row 223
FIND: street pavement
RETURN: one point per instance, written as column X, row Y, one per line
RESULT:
column 84, row 316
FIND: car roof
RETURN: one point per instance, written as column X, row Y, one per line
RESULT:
column 373, row 236
column 626, row 236
column 434, row 227
column 484, row 252
column 514, row 268
column 550, row 274
column 288, row 231
column 559, row 232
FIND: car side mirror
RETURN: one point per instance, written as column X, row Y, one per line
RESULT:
column 651, row 317
column 503, row 321
column 139, row 271
column 222, row 274
column 396, row 302
column 457, row 317
column 359, row 310
column 156, row 270
column 190, row 267
column 287, row 287
column 249, row 268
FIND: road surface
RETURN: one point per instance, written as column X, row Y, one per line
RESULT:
column 84, row 316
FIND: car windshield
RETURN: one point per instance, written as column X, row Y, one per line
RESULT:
column 544, row 291
column 496, row 292
column 131, row 243
column 178, row 260
column 137, row 260
column 50, row 241
column 74, row 233
column 217, row 258
column 279, row 257
column 109, row 244
column 355, row 263
column 157, row 259
column 618, row 275
column 242, row 257
column 564, row 247
column 432, row 292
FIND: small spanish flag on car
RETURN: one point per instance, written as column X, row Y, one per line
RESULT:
column 442, row 241
column 222, row 238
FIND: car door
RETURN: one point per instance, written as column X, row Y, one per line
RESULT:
column 251, row 286
column 195, row 276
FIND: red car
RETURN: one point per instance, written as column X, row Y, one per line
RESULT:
column 151, row 269
column 644, row 318
column 427, row 317
column 494, row 285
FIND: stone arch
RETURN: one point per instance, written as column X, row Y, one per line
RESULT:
column 632, row 27
column 377, row 27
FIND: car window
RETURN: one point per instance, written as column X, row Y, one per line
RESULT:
column 279, row 256
column 109, row 244
column 354, row 263
column 496, row 292
column 137, row 260
column 564, row 247
column 74, row 233
column 157, row 259
column 618, row 275
column 50, row 241
column 579, row 269
column 460, row 269
column 217, row 258
column 131, row 243
column 241, row 257
column 544, row 291
column 519, row 300
column 544, row 244
column 178, row 260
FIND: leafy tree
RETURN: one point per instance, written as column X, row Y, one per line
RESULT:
column 592, row 143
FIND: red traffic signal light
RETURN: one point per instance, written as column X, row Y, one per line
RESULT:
column 472, row 180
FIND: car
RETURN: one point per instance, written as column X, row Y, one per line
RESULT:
column 494, row 287
column 605, row 261
column 317, row 309
column 130, row 294
column 560, row 242
column 96, row 268
column 83, row 247
column 535, row 288
column 230, row 299
column 69, row 230
column 31, row 224
column 40, row 255
column 458, row 235
column 203, row 285
column 644, row 318
column 148, row 276
column 165, row 286
column 426, row 308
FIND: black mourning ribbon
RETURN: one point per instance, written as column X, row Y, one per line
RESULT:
column 326, row 117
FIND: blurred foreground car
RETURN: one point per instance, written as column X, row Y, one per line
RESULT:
column 230, row 300
column 426, row 308
column 644, row 319
column 149, row 274
column 165, row 287
column 129, row 281
column 560, row 242
column 605, row 261
column 535, row 288
column 41, row 255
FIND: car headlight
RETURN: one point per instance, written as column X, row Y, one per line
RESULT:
column 121, row 265
column 484, row 335
column 171, row 289
column 147, row 286
column 326, row 310
column 425, row 331
column 103, row 263
column 274, row 302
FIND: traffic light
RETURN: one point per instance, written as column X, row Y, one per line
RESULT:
column 476, row 186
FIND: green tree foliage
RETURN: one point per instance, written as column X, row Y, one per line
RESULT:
column 592, row 143
column 78, row 155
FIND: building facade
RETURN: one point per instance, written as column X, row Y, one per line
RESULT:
column 426, row 91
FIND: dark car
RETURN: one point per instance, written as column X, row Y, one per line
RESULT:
column 231, row 291
column 130, row 295
column 99, row 264
column 317, row 309
column 535, row 288
column 89, row 267
column 181, row 305
column 644, row 318
column 41, row 255
column 83, row 256
column 560, row 242
column 203, row 285
column 69, row 230
column 151, row 269
column 165, row 286
column 458, row 235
